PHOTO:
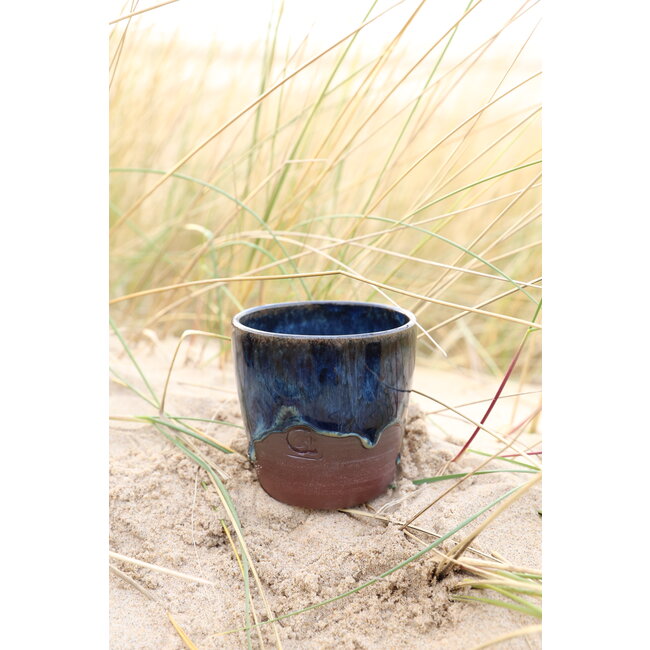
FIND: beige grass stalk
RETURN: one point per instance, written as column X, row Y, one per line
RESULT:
column 181, row 632
column 317, row 274
column 115, row 60
column 402, row 525
column 487, row 577
column 141, row 11
column 506, row 566
column 283, row 235
column 524, row 631
column 483, row 401
column 159, row 569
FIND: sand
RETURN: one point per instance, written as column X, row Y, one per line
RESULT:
column 163, row 512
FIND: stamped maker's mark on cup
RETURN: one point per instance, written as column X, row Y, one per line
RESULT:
column 303, row 443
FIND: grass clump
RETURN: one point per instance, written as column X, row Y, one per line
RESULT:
column 417, row 169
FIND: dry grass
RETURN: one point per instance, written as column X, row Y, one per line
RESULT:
column 423, row 162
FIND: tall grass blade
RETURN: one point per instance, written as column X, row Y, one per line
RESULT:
column 435, row 479
column 127, row 349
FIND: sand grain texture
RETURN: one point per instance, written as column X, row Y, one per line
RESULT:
column 164, row 511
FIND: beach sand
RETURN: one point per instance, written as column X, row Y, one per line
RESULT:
column 164, row 511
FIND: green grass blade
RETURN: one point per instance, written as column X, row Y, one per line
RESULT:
column 435, row 479
column 519, row 575
column 530, row 609
column 508, row 460
column 132, row 388
column 135, row 363
column 178, row 427
column 511, row 592
column 224, row 422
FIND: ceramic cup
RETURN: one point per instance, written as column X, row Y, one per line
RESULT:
column 323, row 388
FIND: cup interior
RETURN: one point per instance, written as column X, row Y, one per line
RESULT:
column 324, row 318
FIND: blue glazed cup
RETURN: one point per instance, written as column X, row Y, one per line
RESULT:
column 323, row 388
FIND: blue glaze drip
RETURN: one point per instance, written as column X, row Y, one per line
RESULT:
column 340, row 368
column 337, row 434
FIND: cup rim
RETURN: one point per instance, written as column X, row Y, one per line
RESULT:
column 237, row 324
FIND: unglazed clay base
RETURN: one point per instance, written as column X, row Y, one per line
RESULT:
column 304, row 468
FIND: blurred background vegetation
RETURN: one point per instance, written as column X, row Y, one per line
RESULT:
column 408, row 154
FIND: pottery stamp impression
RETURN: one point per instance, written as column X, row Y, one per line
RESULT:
column 302, row 443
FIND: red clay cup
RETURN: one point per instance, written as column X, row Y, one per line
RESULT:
column 323, row 388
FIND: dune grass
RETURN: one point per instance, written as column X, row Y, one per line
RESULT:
column 381, row 166
column 300, row 171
